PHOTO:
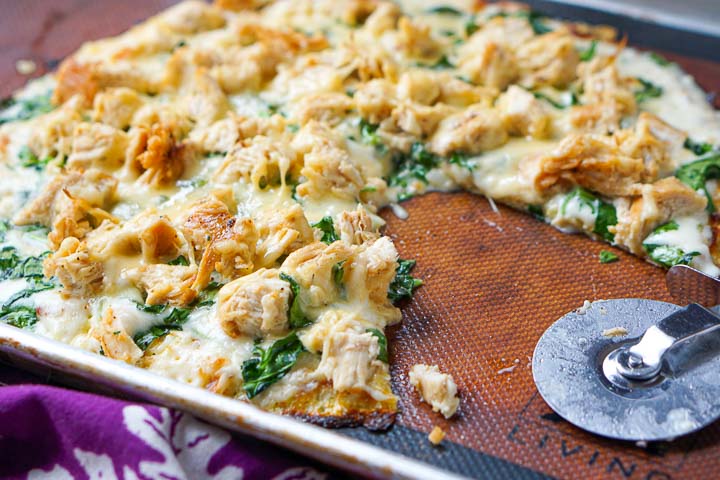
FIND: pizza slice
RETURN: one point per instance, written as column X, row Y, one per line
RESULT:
column 199, row 195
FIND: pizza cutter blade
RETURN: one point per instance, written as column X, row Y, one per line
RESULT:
column 659, row 380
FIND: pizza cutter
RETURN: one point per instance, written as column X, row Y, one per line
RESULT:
column 636, row 369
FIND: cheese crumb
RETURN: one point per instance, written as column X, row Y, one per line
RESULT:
column 25, row 67
column 436, row 388
column 506, row 369
column 436, row 436
column 585, row 306
column 615, row 332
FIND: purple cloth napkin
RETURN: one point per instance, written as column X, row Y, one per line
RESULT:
column 48, row 432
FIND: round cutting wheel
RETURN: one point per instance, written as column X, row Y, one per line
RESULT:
column 568, row 372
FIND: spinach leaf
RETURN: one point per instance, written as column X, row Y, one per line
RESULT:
column 535, row 19
column 173, row 321
column 587, row 55
column 20, row 316
column 670, row 226
column 445, row 10
column 327, row 227
column 404, row 284
column 181, row 260
column 338, row 271
column 411, row 166
column 296, row 317
column 695, row 174
column 267, row 366
column 667, row 255
column 537, row 212
column 32, row 288
column 606, row 217
column 382, row 343
column 441, row 64
column 536, row 22
column 470, row 26
column 369, row 135
column 29, row 160
column 659, row 59
column 30, row 268
column 154, row 309
column 698, row 148
column 572, row 99
column 25, row 108
column 461, row 160
column 13, row 266
column 607, row 256
column 648, row 90
column 4, row 228
column 605, row 213
column 207, row 296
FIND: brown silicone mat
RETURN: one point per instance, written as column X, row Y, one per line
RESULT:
column 493, row 283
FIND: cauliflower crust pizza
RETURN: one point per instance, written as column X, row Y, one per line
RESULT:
column 198, row 196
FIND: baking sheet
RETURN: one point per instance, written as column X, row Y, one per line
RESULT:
column 494, row 282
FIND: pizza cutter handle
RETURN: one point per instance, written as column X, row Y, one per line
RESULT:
column 643, row 360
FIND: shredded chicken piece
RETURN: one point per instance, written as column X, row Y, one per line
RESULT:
column 488, row 63
column 523, row 114
column 610, row 165
column 349, row 360
column 549, row 59
column 164, row 284
column 52, row 133
column 72, row 204
column 116, row 106
column 656, row 204
column 74, row 78
column 383, row 18
column 156, row 156
column 607, row 97
column 356, row 227
column 419, row 86
column 416, row 40
column 72, row 265
column 592, row 161
column 488, row 56
column 368, row 276
column 327, row 165
column 281, row 232
column 114, row 339
column 221, row 241
column 312, row 267
column 329, row 108
column 375, row 100
column 151, row 236
column 254, row 305
column 260, row 162
column 475, row 130
column 654, row 141
column 367, row 62
column 97, row 145
column 192, row 17
column 436, row 388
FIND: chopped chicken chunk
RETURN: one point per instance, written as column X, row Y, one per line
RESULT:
column 254, row 305
column 436, row 388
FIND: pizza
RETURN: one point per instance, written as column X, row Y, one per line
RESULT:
column 199, row 196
